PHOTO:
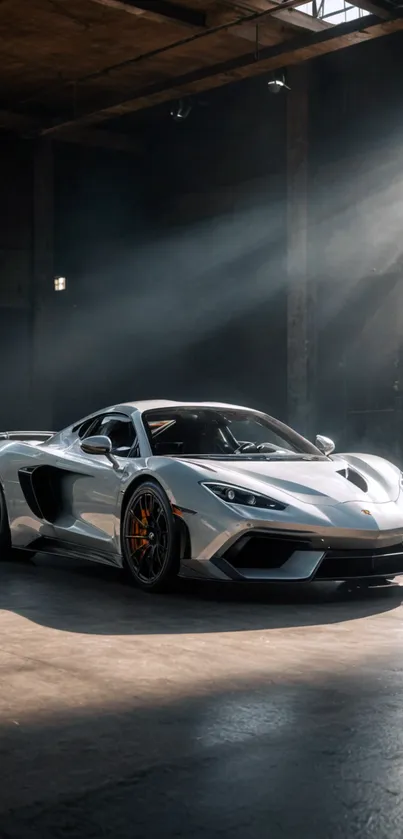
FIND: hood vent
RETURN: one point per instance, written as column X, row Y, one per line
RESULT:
column 354, row 478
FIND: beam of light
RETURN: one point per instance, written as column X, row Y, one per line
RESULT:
column 144, row 304
column 172, row 292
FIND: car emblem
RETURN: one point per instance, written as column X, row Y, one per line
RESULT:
column 366, row 512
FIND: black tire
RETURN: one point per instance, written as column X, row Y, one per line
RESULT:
column 150, row 543
column 5, row 536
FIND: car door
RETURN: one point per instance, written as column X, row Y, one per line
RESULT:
column 92, row 485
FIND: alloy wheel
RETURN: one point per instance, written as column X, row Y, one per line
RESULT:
column 147, row 537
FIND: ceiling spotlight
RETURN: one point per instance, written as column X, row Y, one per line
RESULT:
column 277, row 84
column 181, row 110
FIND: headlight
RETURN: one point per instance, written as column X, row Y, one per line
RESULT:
column 236, row 495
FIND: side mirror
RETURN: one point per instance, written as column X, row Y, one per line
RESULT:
column 324, row 444
column 99, row 445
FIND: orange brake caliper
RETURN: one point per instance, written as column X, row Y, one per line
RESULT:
column 136, row 531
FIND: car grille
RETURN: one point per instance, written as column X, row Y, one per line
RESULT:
column 271, row 551
column 344, row 565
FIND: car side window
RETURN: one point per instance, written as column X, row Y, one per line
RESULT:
column 82, row 430
column 120, row 431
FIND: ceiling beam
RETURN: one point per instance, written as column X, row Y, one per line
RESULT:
column 296, row 19
column 375, row 7
column 195, row 18
column 160, row 10
column 28, row 127
column 302, row 48
column 293, row 18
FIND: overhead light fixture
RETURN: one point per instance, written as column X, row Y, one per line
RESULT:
column 277, row 84
column 59, row 283
column 181, row 110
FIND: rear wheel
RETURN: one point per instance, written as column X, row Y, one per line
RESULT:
column 150, row 545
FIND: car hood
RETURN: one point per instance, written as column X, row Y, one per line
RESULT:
column 312, row 482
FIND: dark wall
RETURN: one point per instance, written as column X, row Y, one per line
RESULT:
column 175, row 259
column 356, row 244
column 220, row 184
column 99, row 230
column 15, row 281
column 175, row 262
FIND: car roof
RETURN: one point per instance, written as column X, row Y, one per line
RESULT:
column 160, row 404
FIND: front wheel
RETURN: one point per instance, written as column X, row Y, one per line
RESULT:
column 149, row 540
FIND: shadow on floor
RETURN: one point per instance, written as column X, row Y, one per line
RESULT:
column 89, row 598
column 319, row 757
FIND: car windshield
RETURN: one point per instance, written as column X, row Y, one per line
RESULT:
column 215, row 432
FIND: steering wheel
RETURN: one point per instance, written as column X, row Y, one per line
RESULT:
column 258, row 447
column 244, row 447
column 262, row 447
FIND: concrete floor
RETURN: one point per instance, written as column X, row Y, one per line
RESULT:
column 229, row 713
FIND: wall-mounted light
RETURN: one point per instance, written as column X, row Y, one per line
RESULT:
column 59, row 283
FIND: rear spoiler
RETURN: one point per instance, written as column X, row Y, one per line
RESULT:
column 26, row 436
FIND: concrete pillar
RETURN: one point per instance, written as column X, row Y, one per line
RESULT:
column 300, row 331
column 42, row 286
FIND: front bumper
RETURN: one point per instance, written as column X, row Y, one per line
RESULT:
column 295, row 557
column 333, row 542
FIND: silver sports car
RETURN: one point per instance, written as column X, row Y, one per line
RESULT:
column 202, row 490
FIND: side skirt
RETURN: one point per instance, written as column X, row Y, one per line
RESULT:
column 58, row 548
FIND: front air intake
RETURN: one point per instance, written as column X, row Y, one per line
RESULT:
column 263, row 551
